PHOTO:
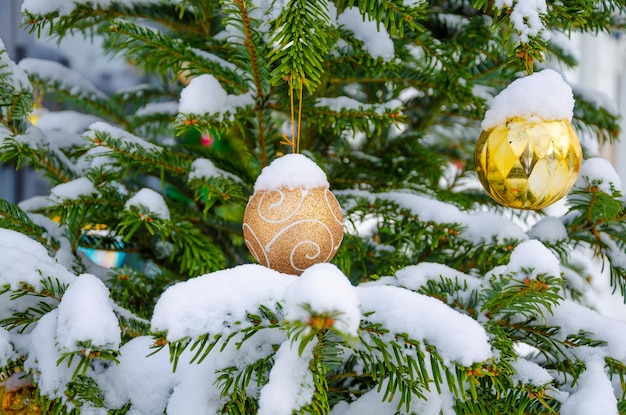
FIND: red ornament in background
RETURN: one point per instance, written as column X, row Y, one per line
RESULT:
column 207, row 140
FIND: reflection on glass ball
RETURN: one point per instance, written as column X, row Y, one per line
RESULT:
column 528, row 164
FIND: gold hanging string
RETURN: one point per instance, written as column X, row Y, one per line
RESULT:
column 294, row 142
column 299, row 117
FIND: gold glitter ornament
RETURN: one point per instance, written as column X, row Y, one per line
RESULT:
column 528, row 164
column 20, row 401
column 288, row 230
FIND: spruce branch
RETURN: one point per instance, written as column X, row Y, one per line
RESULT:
column 20, row 321
column 12, row 217
column 301, row 41
column 88, row 99
column 87, row 18
column 252, row 41
column 396, row 16
column 84, row 389
column 159, row 52
column 138, row 155
column 85, row 355
column 22, row 152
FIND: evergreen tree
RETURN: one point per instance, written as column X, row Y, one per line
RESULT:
column 439, row 301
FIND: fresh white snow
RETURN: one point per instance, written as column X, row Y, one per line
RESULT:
column 533, row 255
column 68, row 78
column 204, row 169
column 25, row 261
column 73, row 190
column 128, row 141
column 376, row 40
column 478, row 227
column 549, row 229
column 205, row 95
column 543, row 95
column 6, row 349
column 86, row 314
column 16, row 76
column 144, row 381
column 597, row 171
column 326, row 291
column 150, row 200
column 457, row 337
column 214, row 302
column 593, row 395
column 290, row 385
column 529, row 373
column 291, row 171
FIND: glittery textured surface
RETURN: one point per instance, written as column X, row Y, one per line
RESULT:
column 291, row 229
column 528, row 164
column 18, row 402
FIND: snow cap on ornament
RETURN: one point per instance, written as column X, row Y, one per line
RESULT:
column 543, row 96
column 528, row 155
column 291, row 171
column 292, row 220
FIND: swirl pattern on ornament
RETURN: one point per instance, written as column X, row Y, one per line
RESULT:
column 255, row 246
column 332, row 204
column 305, row 252
column 277, row 207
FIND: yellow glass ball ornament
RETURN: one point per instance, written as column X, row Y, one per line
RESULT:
column 528, row 164
column 528, row 155
column 292, row 220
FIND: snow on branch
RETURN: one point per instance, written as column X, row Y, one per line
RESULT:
column 526, row 16
column 375, row 38
column 150, row 200
column 218, row 303
column 44, row 355
column 86, row 315
column 12, row 74
column 73, row 190
column 594, row 393
column 53, row 72
column 204, row 169
column 154, row 108
column 598, row 172
column 457, row 337
column 100, row 132
column 6, row 350
column 414, row 277
column 477, row 227
column 323, row 290
column 572, row 318
column 347, row 104
column 205, row 95
column 25, row 261
column 141, row 377
column 534, row 257
column 66, row 7
column 290, row 385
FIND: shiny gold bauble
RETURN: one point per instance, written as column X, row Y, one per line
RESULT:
column 19, row 402
column 288, row 230
column 528, row 164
